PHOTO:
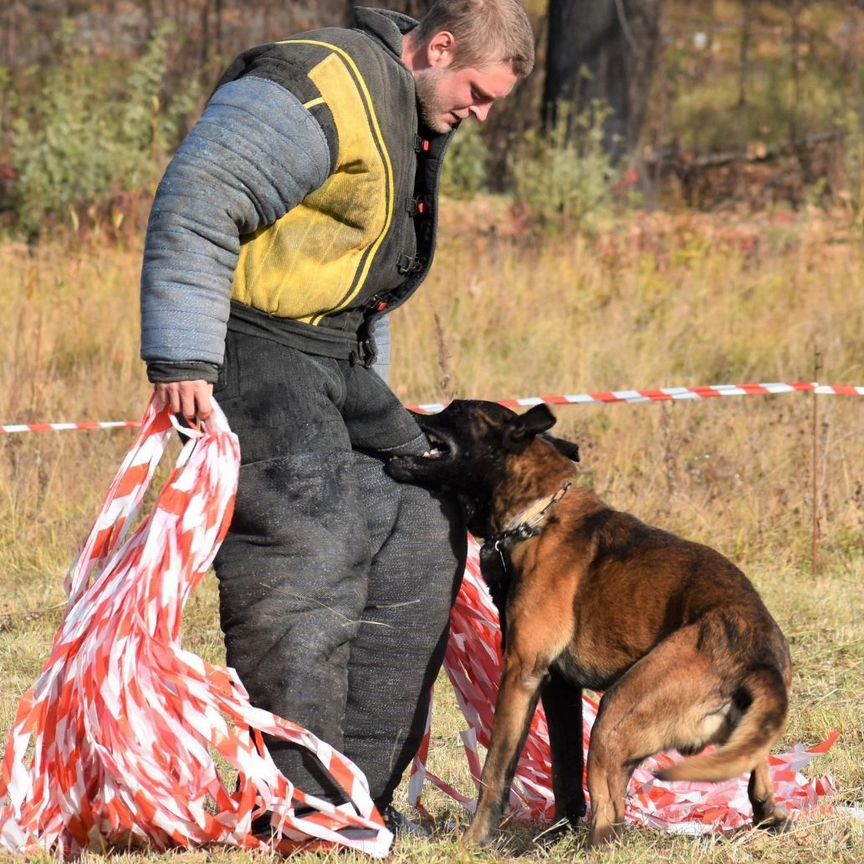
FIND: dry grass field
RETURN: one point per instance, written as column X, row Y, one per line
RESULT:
column 649, row 300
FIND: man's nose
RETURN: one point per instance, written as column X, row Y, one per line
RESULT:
column 481, row 112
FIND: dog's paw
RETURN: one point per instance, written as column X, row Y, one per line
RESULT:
column 776, row 823
column 478, row 834
column 604, row 835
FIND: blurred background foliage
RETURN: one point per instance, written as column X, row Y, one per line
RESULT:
column 652, row 103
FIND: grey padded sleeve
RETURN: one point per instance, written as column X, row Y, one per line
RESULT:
column 255, row 153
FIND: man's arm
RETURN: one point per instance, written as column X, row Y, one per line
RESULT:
column 255, row 154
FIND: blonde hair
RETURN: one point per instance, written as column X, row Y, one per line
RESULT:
column 486, row 31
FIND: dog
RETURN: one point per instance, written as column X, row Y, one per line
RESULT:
column 672, row 632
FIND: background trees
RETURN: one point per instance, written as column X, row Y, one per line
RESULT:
column 722, row 100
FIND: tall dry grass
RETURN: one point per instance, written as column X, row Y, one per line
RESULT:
column 649, row 301
column 660, row 301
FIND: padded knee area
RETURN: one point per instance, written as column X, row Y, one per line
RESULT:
column 292, row 587
column 414, row 577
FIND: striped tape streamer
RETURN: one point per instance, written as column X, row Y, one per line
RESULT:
column 661, row 394
column 66, row 427
column 473, row 664
column 668, row 394
column 116, row 744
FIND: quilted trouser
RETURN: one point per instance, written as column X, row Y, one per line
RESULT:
column 335, row 581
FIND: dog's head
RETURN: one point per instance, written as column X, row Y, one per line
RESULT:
column 471, row 442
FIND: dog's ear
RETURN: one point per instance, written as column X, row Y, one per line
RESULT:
column 524, row 428
column 568, row 448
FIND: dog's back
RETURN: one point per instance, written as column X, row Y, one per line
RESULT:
column 648, row 582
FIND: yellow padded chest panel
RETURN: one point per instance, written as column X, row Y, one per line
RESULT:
column 316, row 258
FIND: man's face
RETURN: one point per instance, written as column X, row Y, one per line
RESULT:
column 446, row 96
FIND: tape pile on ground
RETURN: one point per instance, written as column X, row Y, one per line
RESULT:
column 473, row 663
column 116, row 743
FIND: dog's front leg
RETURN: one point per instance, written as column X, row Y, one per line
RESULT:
column 562, row 703
column 517, row 700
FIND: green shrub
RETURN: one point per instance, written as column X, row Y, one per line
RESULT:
column 93, row 130
column 466, row 168
column 565, row 178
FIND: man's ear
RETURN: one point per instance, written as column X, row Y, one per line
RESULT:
column 524, row 428
column 441, row 50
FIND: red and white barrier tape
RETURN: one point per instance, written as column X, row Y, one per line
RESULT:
column 662, row 394
column 66, row 427
column 114, row 745
column 668, row 394
column 473, row 663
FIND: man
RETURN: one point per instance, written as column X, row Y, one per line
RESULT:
column 299, row 211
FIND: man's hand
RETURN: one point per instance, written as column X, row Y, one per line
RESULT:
column 192, row 399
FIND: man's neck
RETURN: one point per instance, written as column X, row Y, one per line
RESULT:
column 411, row 56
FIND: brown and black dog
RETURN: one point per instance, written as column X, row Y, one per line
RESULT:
column 674, row 634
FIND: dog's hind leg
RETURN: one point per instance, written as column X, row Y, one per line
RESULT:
column 607, row 785
column 562, row 703
column 760, row 791
column 660, row 702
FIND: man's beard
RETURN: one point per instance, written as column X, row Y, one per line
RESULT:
column 429, row 102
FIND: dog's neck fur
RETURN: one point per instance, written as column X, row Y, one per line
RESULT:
column 531, row 480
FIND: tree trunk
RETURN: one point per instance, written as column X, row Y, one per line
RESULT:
column 744, row 53
column 601, row 50
column 204, row 38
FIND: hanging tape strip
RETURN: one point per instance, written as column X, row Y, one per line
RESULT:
column 118, row 743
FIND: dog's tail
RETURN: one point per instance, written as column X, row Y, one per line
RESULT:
column 762, row 723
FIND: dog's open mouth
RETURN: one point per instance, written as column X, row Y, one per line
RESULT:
column 439, row 447
column 430, row 467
